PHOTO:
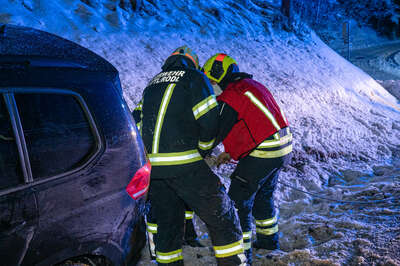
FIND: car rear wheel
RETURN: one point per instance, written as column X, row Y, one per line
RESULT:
column 86, row 260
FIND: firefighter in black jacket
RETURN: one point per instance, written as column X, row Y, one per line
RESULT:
column 179, row 123
column 256, row 133
column 190, row 236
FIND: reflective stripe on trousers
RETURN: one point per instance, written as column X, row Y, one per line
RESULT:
column 267, row 231
column 168, row 257
column 189, row 215
column 229, row 250
column 152, row 228
column 268, row 226
column 247, row 240
column 151, row 231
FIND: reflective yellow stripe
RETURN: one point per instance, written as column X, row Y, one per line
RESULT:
column 276, row 143
column 174, row 158
column 229, row 250
column 247, row 240
column 283, row 115
column 160, row 117
column 189, row 215
column 139, row 106
column 152, row 228
column 267, row 231
column 204, row 106
column 263, row 109
column 247, row 235
column 246, row 245
column 206, row 145
column 138, row 125
column 169, row 257
column 267, row 222
column 272, row 154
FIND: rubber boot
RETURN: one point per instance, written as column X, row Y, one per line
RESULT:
column 190, row 237
column 234, row 260
column 270, row 242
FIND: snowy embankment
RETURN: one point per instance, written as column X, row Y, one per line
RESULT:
column 346, row 127
column 341, row 119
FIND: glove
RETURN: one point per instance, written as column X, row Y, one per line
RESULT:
column 211, row 161
column 223, row 158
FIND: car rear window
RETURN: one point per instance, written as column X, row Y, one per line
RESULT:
column 10, row 171
column 57, row 132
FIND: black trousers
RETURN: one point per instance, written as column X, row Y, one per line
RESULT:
column 252, row 187
column 203, row 192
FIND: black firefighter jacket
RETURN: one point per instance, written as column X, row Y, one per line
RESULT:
column 179, row 117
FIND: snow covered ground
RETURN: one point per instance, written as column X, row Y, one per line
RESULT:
column 346, row 126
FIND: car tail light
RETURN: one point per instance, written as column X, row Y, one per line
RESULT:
column 140, row 182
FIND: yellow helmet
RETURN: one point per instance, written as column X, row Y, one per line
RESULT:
column 217, row 67
column 186, row 51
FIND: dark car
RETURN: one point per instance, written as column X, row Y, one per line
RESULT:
column 68, row 149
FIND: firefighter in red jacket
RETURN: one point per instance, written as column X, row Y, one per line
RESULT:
column 255, row 132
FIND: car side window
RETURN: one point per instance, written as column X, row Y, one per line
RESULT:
column 10, row 170
column 57, row 132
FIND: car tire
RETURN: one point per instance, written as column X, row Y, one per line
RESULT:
column 88, row 260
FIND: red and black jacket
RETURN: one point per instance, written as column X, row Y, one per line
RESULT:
column 258, row 116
